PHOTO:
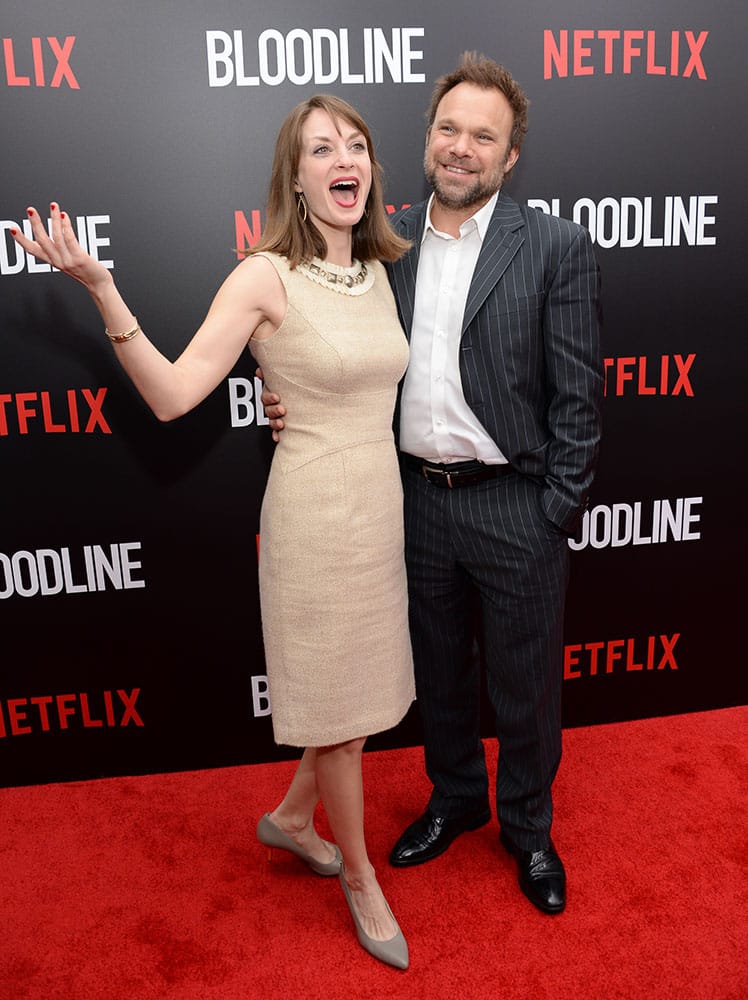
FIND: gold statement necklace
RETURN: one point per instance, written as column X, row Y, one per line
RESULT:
column 352, row 280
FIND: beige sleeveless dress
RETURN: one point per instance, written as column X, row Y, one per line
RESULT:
column 332, row 574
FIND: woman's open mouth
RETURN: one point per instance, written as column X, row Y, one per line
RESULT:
column 345, row 192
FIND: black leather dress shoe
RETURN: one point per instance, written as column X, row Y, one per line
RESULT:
column 431, row 835
column 541, row 875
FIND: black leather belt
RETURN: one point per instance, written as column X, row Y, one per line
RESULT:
column 456, row 473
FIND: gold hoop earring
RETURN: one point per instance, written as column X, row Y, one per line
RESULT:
column 301, row 206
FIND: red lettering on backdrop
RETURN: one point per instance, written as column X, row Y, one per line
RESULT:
column 668, row 660
column 246, row 235
column 14, row 80
column 650, row 652
column 585, row 56
column 21, row 720
column 683, row 369
column 614, row 653
column 555, row 55
column 622, row 373
column 42, row 703
column 36, row 49
column 73, row 410
column 16, row 716
column 594, row 648
column 571, row 660
column 26, row 412
column 634, row 373
column 619, row 653
column 64, row 710
column 86, row 714
column 653, row 68
column 62, row 72
column 49, row 426
column 129, row 702
column 695, row 63
column 582, row 52
column 247, row 232
column 630, row 665
column 607, row 38
column 644, row 389
column 23, row 411
column 630, row 51
column 96, row 417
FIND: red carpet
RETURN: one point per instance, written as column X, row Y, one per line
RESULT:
column 154, row 887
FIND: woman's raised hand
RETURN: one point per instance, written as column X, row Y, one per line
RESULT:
column 62, row 250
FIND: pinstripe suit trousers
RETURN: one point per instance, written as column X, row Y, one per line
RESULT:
column 490, row 539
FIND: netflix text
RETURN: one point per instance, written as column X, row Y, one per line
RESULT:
column 616, row 656
column 664, row 375
column 39, row 62
column 68, row 411
column 586, row 52
column 58, row 712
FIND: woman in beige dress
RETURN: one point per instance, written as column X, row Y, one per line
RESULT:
column 313, row 303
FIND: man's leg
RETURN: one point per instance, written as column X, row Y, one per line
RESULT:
column 447, row 677
column 519, row 562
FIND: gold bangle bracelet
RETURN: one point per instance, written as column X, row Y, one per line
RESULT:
column 120, row 338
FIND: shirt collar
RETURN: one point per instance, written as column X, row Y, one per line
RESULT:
column 480, row 220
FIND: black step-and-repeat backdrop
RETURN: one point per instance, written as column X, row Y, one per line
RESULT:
column 129, row 620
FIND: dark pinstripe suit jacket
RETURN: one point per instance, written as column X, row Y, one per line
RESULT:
column 530, row 351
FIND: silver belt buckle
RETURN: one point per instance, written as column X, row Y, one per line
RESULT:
column 439, row 472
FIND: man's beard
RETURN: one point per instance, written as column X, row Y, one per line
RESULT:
column 463, row 197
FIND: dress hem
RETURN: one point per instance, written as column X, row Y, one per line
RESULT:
column 342, row 736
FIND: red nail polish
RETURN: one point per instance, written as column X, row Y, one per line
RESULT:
column 62, row 215
column 13, row 232
column 29, row 211
column 53, row 205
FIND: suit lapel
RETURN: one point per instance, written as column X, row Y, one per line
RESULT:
column 504, row 237
column 403, row 271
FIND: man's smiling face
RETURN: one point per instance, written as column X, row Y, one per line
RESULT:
column 468, row 147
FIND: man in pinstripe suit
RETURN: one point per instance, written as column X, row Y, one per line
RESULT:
column 499, row 425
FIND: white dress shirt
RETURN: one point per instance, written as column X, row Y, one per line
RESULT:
column 435, row 421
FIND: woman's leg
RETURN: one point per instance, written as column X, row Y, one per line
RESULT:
column 340, row 783
column 295, row 814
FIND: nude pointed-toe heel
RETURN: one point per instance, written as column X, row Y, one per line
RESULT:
column 272, row 836
column 393, row 952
